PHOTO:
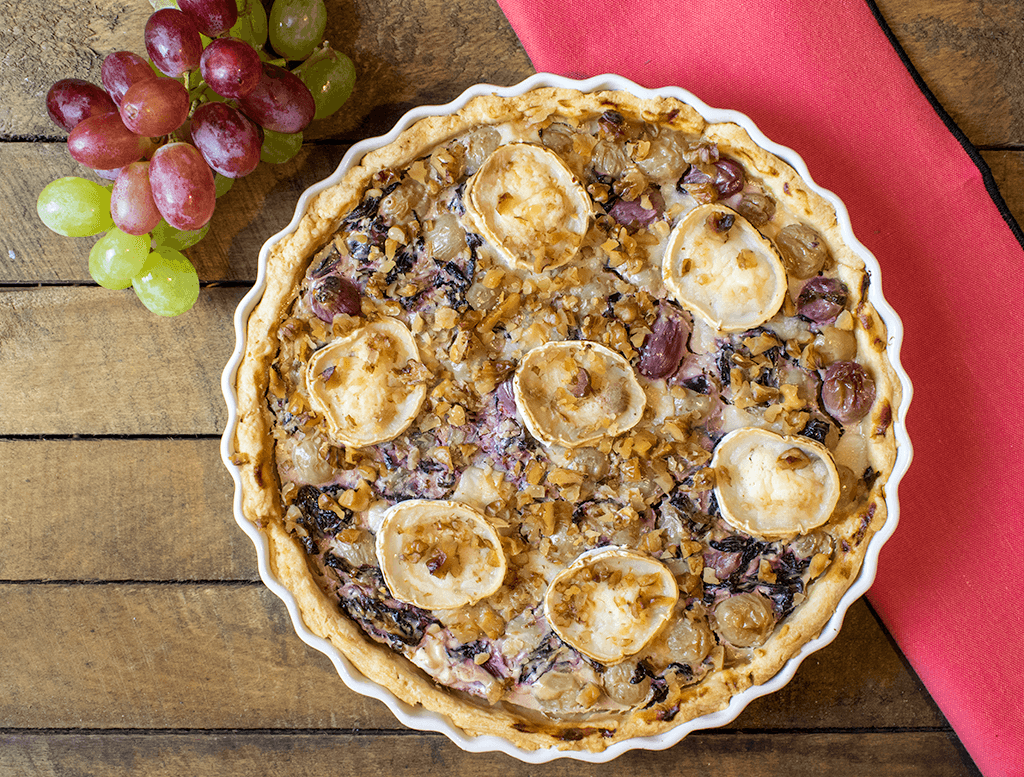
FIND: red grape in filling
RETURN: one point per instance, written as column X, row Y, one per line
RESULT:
column 847, row 392
column 332, row 295
column 822, row 299
column 663, row 349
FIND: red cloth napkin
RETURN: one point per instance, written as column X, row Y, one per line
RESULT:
column 825, row 79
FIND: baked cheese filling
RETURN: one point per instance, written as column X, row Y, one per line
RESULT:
column 557, row 416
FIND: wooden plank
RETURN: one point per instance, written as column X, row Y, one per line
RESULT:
column 394, row 46
column 165, row 656
column 726, row 754
column 92, row 361
column 225, row 656
column 123, row 510
column 970, row 58
column 255, row 208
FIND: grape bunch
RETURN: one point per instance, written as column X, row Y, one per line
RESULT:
column 170, row 132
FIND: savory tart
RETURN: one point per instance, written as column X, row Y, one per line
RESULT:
column 567, row 416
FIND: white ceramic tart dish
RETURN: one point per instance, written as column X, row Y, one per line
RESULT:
column 567, row 418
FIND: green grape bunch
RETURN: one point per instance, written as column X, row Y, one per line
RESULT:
column 222, row 88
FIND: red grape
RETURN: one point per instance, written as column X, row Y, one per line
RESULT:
column 182, row 184
column 131, row 200
column 228, row 141
column 155, row 106
column 663, row 349
column 120, row 70
column 280, row 101
column 231, row 67
column 173, row 42
column 211, row 17
column 847, row 391
column 102, row 142
column 72, row 99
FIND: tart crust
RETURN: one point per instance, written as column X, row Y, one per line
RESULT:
column 255, row 445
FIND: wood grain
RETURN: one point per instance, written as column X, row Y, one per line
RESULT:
column 234, row 754
column 142, row 510
column 968, row 52
column 86, row 360
column 147, row 656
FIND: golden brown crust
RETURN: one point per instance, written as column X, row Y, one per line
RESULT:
column 254, row 443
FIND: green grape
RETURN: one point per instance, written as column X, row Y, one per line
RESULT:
column 271, row 59
column 279, row 147
column 166, row 236
column 330, row 76
column 222, row 184
column 117, row 257
column 75, row 207
column 260, row 26
column 167, row 284
column 297, row 26
column 252, row 23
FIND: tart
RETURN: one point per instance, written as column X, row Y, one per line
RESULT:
column 566, row 416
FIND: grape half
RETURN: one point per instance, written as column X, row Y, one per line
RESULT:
column 117, row 257
column 155, row 106
column 173, row 42
column 75, row 207
column 182, row 184
column 297, row 26
column 167, row 284
column 228, row 141
column 72, row 99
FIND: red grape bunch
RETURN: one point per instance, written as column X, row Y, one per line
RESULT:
column 174, row 129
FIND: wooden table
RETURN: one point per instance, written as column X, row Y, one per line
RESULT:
column 137, row 637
